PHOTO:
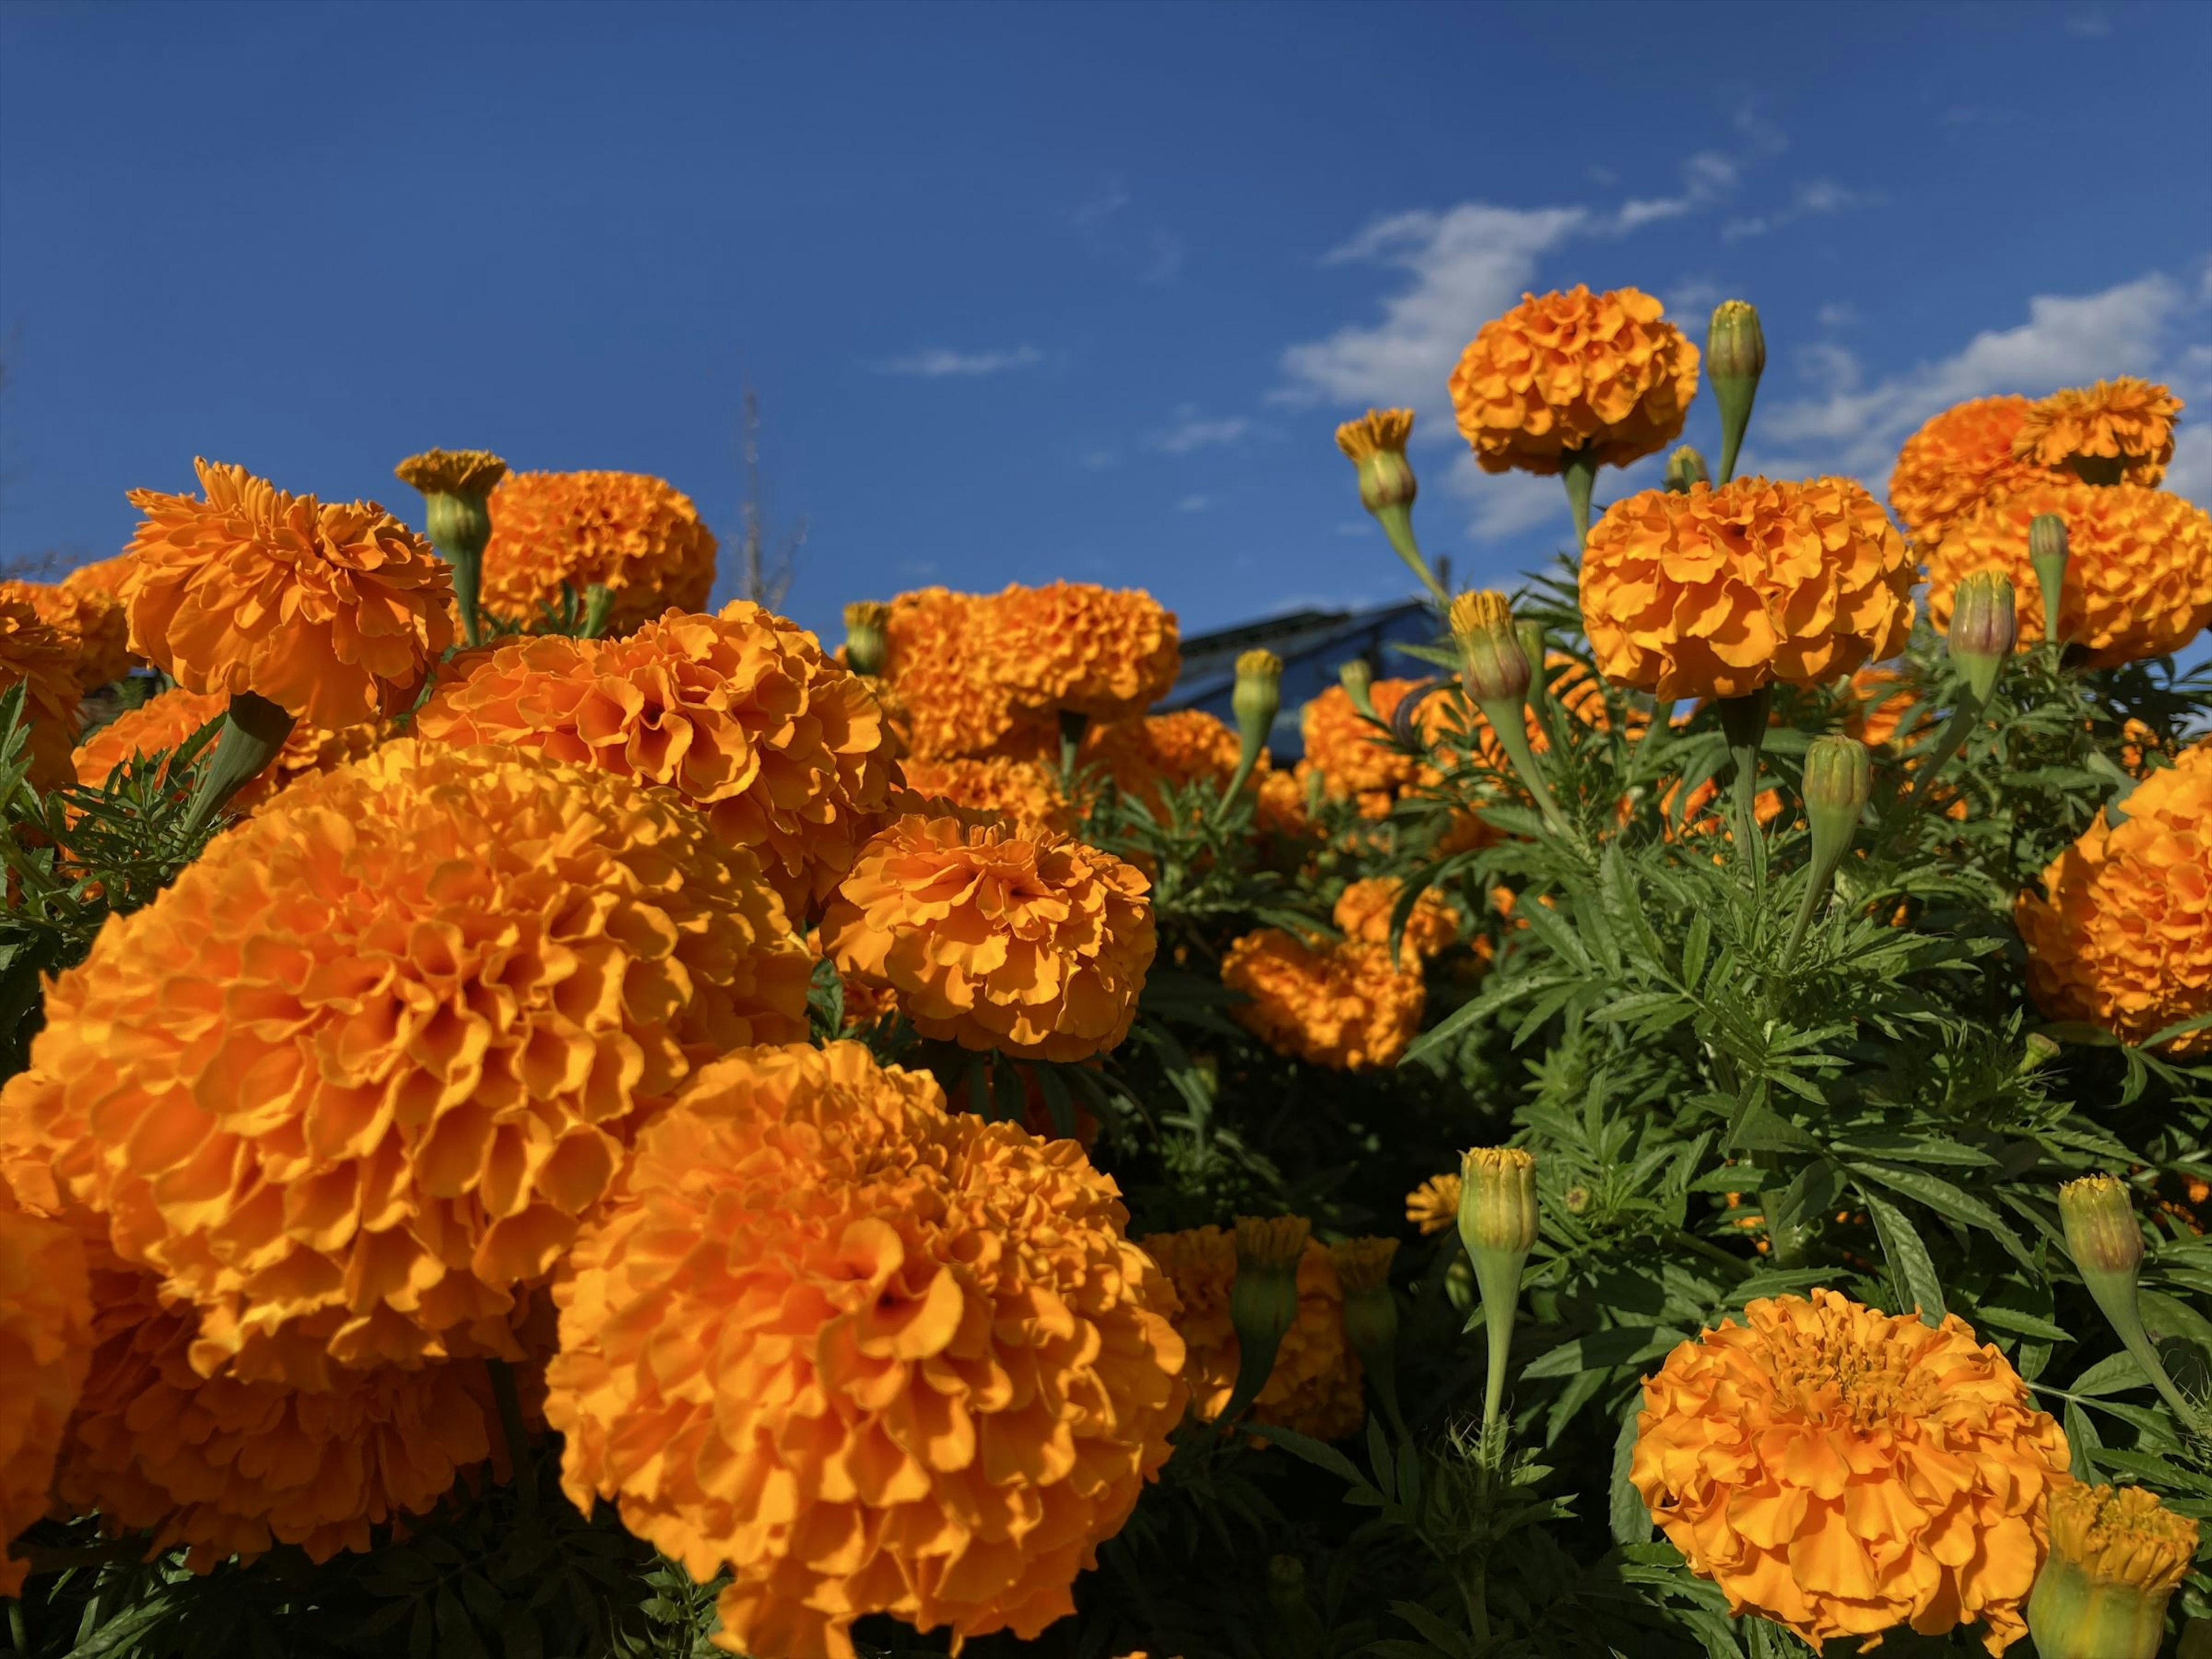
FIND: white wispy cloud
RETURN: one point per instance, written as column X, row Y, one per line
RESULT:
column 1102, row 220
column 1838, row 316
column 1192, row 431
column 1813, row 198
column 1193, row 503
column 2092, row 23
column 942, row 362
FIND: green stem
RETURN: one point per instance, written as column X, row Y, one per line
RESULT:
column 18, row 1633
column 510, row 1425
column 1072, row 724
column 1505, row 719
column 1962, row 721
column 1397, row 522
column 1246, row 763
column 254, row 730
column 2137, row 1342
column 1578, row 471
column 1743, row 721
column 1816, row 888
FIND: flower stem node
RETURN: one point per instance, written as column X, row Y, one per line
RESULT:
column 1263, row 1302
column 254, row 734
column 2117, row 1555
column 1984, row 627
column 1735, row 356
column 867, row 642
column 1685, row 468
column 2046, row 554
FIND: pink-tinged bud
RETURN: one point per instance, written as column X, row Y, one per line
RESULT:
column 1493, row 665
column 1984, row 627
column 1685, row 467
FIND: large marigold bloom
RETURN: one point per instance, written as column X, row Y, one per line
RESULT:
column 359, row 1073
column 1720, row 592
column 1363, row 913
column 875, row 1357
column 163, row 722
column 35, row 655
column 1841, row 1471
column 1025, row 793
column 1956, row 462
column 1574, row 371
column 1107, row 652
column 2126, row 425
column 2138, row 567
column 638, row 537
column 91, row 619
column 2121, row 935
column 1315, row 1388
column 102, row 575
column 954, row 708
column 1336, row 1004
column 335, row 613
column 996, row 937
column 45, row 1343
column 1356, row 762
column 742, row 714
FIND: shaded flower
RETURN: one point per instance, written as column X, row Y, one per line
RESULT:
column 1433, row 1206
column 90, row 618
column 102, row 576
column 36, row 656
column 45, row 1343
column 639, row 537
column 1357, row 761
column 1956, row 461
column 166, row 720
column 1107, row 652
column 1336, row 1004
column 1363, row 913
column 2123, row 426
column 1025, row 793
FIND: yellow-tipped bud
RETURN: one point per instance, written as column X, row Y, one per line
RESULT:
column 867, row 639
column 2102, row 1234
column 1359, row 680
column 1258, row 694
column 1983, row 629
column 1497, row 1200
column 1263, row 1302
column 1493, row 667
column 1685, row 467
column 1735, row 356
column 1375, row 444
column 457, row 486
column 452, row 471
column 2117, row 1555
column 2046, row 554
column 1370, row 1311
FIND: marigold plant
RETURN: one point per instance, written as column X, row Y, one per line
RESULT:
column 1338, row 1004
column 1957, row 460
column 1433, row 1206
column 1106, row 652
column 91, row 620
column 45, row 1343
column 2122, row 426
column 1025, row 793
column 955, row 708
column 1188, row 747
column 36, row 656
column 1363, row 911
column 167, row 719
column 555, row 533
column 1357, row 760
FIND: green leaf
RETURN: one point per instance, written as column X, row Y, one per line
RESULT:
column 1623, row 1344
column 1319, row 1453
column 1908, row 1256
column 1630, row 1520
column 2115, row 1373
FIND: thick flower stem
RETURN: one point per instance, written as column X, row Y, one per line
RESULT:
column 1817, row 880
column 1397, row 522
column 1947, row 745
column 510, row 1426
column 254, row 730
column 1578, row 471
column 1501, row 1301
column 1743, row 721
column 468, row 578
column 1504, row 717
column 1074, row 722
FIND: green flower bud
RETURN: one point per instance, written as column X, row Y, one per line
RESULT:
column 2102, row 1234
column 1263, row 1302
column 1493, row 667
column 2046, row 552
column 1358, row 679
column 2117, row 1556
column 1258, row 696
column 1838, row 783
column 1685, row 468
column 457, row 486
column 1375, row 445
column 1735, row 356
column 867, row 638
column 1983, row 628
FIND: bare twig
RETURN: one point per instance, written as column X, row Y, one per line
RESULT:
column 767, row 578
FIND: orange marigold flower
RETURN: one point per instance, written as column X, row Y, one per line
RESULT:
column 1841, row 1470
column 1280, row 804
column 2138, row 567
column 91, row 619
column 35, row 655
column 1315, row 1388
column 1356, row 762
column 1336, row 1004
column 1024, row 793
column 638, row 537
column 163, row 722
column 2126, row 424
column 1574, row 371
column 875, row 1357
column 1877, row 701
column 334, row 613
column 360, row 1071
column 996, row 937
column 1363, row 913
column 2121, row 935
column 1188, row 747
column 1107, row 652
column 1720, row 592
column 1433, row 1206
column 742, row 714
column 102, row 575
column 1961, row 459
column 45, row 1343
column 934, row 664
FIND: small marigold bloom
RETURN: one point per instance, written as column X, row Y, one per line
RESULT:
column 637, row 536
column 955, row 710
column 91, row 620
column 2122, row 428
column 2138, row 578
column 1024, row 793
column 2121, row 935
column 996, row 936
column 780, row 749
column 1842, row 1472
column 1357, row 761
column 1363, row 912
column 1280, row 804
column 452, row 471
column 1961, row 459
column 876, row 1356
column 1314, row 1387
column 37, row 657
column 1574, row 371
column 1107, row 652
column 1721, row 592
column 45, row 1344
column 360, row 1073
column 1338, row 1005
column 1188, row 747
column 165, row 721
column 1433, row 1206
column 2117, row 1556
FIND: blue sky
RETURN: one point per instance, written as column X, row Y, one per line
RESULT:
column 1059, row 290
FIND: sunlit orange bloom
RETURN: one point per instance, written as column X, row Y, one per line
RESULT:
column 997, row 937
column 1959, row 459
column 164, row 722
column 891, row 701
column 1336, row 1004
column 1025, row 793
column 1842, row 1472
column 742, row 714
column 91, row 619
column 360, row 1072
column 1363, row 913
column 102, row 575
column 1188, row 747
column 637, row 536
column 1720, row 592
column 2121, row 934
column 934, row 664
column 2125, row 423
column 1433, row 1206
column 1107, row 652
column 1877, row 701
column 1280, row 804
column 1574, row 371
column 35, row 655
column 2138, row 567
column 875, row 1357
column 45, row 1343
column 1357, row 762
column 1315, row 1388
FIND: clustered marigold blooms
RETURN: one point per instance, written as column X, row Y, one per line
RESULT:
column 334, row 613
column 638, row 537
column 1315, row 1387
column 1357, row 763
column 2126, row 424
column 1956, row 461
column 875, row 1357
column 360, row 1073
column 91, row 619
column 937, row 666
column 742, row 714
column 1718, row 593
column 165, row 721
column 1338, row 1004
column 1106, row 652
column 2121, row 934
column 45, row 1344
column 34, row 655
column 1600, row 372
column 1188, row 747
column 993, row 936
column 1841, row 1471
column 1361, row 913
column 1433, row 1206
column 2138, row 567
column 1024, row 793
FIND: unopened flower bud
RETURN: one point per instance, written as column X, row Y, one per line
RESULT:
column 457, row 486
column 1735, row 356
column 2117, row 1555
column 1375, row 445
column 1370, row 1313
column 1493, row 667
column 1263, row 1302
column 2102, row 1235
column 1359, row 679
column 1983, row 629
column 1498, row 1201
column 867, row 636
column 2046, row 552
column 1258, row 696
column 2038, row 1052
column 1838, row 783
column 1685, row 467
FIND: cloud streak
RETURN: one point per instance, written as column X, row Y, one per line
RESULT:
column 942, row 363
